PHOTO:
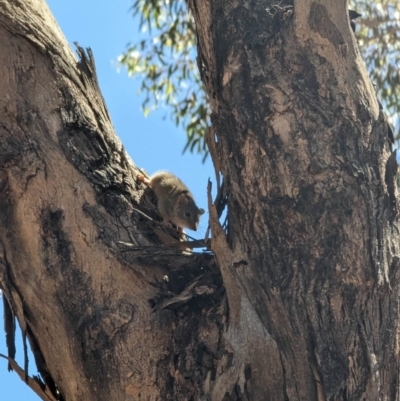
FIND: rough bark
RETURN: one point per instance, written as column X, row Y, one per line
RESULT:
column 310, row 264
column 80, row 266
column 309, row 261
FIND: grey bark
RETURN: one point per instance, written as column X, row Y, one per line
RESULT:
column 307, row 308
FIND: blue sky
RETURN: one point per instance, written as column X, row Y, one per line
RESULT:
column 154, row 143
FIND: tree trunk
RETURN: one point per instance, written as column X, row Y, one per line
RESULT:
column 307, row 308
column 310, row 264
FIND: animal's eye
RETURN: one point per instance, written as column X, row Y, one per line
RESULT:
column 188, row 214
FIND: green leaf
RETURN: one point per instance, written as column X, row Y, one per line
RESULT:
column 165, row 60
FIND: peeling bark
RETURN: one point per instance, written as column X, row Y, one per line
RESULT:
column 81, row 266
column 298, row 299
column 310, row 265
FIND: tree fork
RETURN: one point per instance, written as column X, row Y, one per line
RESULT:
column 310, row 263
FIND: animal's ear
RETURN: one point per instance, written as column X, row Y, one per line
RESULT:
column 201, row 211
column 182, row 200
